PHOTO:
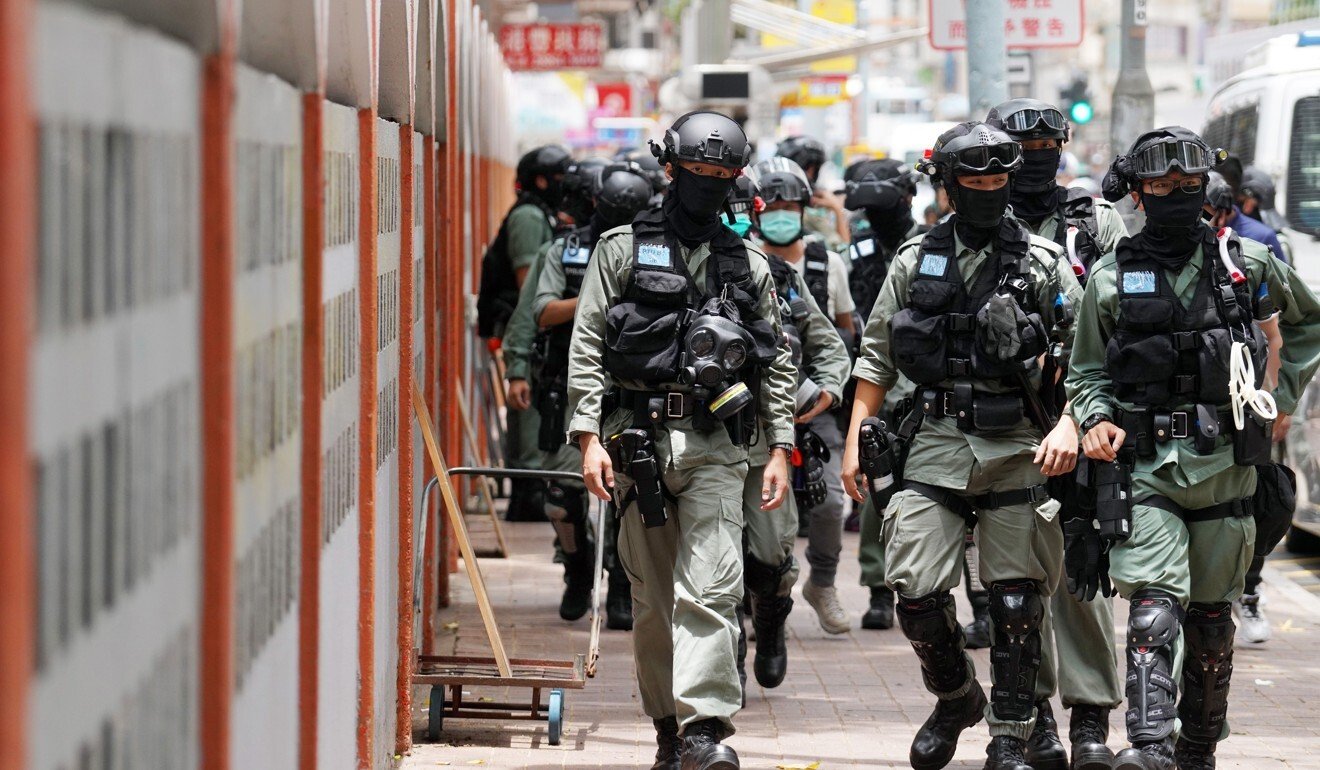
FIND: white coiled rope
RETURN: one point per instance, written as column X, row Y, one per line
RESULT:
column 1242, row 390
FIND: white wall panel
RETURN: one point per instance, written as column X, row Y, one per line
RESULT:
column 340, row 406
column 389, row 230
column 420, row 463
column 268, row 373
column 113, row 414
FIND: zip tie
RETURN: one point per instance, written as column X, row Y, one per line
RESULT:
column 1078, row 268
column 1242, row 390
column 1223, row 235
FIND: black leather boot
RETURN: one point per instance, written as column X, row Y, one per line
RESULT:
column 1146, row 755
column 1006, row 753
column 1044, row 749
column 977, row 632
column 1194, row 755
column 1088, row 730
column 526, row 500
column 578, row 570
column 880, row 615
column 768, row 618
column 669, row 747
column 937, row 740
column 702, row 749
column 618, row 602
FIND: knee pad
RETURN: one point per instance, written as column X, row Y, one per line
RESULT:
column 762, row 579
column 931, row 626
column 567, row 510
column 1207, row 670
column 1153, row 624
column 1016, row 611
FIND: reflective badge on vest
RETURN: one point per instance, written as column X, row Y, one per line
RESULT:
column 581, row 255
column 1139, row 282
column 653, row 254
column 864, row 248
column 934, row 265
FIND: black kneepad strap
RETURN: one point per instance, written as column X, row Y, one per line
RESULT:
column 1152, row 694
column 1016, row 610
column 1207, row 669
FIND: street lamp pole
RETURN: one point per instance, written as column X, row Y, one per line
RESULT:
column 987, row 57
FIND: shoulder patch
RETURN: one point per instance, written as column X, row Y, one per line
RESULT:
column 653, row 255
column 1139, row 282
column 578, row 255
column 862, row 249
column 934, row 265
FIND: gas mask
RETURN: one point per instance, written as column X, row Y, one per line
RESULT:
column 808, row 392
column 715, row 350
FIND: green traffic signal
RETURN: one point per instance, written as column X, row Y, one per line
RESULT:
column 1081, row 112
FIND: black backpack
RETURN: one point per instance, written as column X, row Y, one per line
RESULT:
column 497, row 293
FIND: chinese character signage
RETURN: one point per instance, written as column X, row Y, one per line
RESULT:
column 551, row 46
column 822, row 90
column 1027, row 23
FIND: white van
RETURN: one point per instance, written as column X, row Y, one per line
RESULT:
column 1269, row 116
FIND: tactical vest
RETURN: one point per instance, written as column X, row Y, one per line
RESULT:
column 1163, row 354
column 497, row 294
column 1078, row 210
column 816, row 274
column 935, row 338
column 574, row 254
column 644, row 331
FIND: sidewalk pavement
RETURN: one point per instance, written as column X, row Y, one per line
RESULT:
column 853, row 700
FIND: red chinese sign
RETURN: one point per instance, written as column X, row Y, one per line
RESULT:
column 551, row 46
column 1027, row 23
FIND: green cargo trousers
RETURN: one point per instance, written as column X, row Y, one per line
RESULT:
column 523, row 425
column 924, row 543
column 770, row 534
column 870, row 551
column 1077, row 652
column 687, row 582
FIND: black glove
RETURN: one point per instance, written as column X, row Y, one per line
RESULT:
column 811, row 454
column 1085, row 559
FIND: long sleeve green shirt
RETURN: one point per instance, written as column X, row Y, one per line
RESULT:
column 528, row 231
column 521, row 329
column 1109, row 226
column 588, row 380
column 1092, row 392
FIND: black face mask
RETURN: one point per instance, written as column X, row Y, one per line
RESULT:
column 1173, row 227
column 1039, row 167
column 981, row 209
column 692, row 205
column 890, row 224
column 553, row 194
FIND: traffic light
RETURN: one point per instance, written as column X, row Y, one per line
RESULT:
column 1076, row 98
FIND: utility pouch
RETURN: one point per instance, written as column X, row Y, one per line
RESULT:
column 633, row 451
column 550, row 436
column 996, row 413
column 1140, row 430
column 1205, row 435
column 1252, row 442
column 963, row 406
column 1113, row 499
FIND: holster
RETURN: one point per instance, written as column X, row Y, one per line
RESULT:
column 1112, row 482
column 550, row 405
column 633, row 452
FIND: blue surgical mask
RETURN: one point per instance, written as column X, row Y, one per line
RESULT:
column 741, row 224
column 781, row 227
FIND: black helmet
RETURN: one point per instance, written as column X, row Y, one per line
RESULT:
column 622, row 191
column 1155, row 154
column 742, row 198
column 969, row 149
column 704, row 137
column 650, row 166
column 878, row 183
column 544, row 161
column 1218, row 193
column 804, row 151
column 1258, row 185
column 1029, row 119
column 579, row 186
column 780, row 179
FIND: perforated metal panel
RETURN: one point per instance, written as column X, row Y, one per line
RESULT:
column 113, row 411
column 268, row 410
column 388, row 237
column 340, row 405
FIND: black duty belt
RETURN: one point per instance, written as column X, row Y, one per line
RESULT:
column 1237, row 509
column 966, row 505
column 975, row 411
column 659, row 405
column 1166, row 425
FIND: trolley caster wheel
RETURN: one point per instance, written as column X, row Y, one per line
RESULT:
column 435, row 714
column 556, row 709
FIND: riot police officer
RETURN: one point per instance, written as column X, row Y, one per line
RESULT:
column 825, row 216
column 1221, row 210
column 1169, row 357
column 681, row 314
column 964, row 313
column 617, row 193
column 1255, row 196
column 780, row 187
column 1078, row 648
column 505, row 270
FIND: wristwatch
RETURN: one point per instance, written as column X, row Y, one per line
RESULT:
column 788, row 448
column 1094, row 420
